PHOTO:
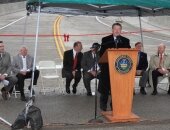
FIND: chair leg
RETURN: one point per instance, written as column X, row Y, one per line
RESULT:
column 14, row 91
column 42, row 84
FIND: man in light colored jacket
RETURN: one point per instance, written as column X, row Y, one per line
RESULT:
column 22, row 67
column 160, row 66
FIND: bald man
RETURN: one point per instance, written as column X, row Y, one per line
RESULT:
column 22, row 67
column 160, row 64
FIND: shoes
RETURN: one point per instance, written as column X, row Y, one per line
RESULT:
column 142, row 91
column 154, row 92
column 23, row 98
column 67, row 90
column 89, row 94
column 4, row 94
column 74, row 90
column 103, row 107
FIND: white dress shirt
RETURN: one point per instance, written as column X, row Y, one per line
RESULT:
column 74, row 53
column 24, row 62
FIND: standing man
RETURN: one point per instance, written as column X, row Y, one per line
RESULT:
column 22, row 67
column 5, row 72
column 142, row 65
column 72, row 66
column 160, row 66
column 89, row 64
column 115, row 40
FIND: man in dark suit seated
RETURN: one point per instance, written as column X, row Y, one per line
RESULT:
column 90, row 64
column 72, row 66
column 115, row 40
column 22, row 67
column 142, row 65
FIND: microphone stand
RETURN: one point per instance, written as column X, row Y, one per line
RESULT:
column 95, row 120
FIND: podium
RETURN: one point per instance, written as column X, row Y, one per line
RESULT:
column 122, row 68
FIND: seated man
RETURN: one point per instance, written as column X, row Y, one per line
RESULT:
column 22, row 67
column 89, row 64
column 5, row 72
column 142, row 65
column 160, row 66
column 72, row 66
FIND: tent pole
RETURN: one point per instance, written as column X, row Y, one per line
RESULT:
column 140, row 23
column 30, row 102
column 35, row 49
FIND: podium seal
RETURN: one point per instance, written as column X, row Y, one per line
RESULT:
column 123, row 64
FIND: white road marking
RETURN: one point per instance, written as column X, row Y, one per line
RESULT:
column 12, row 22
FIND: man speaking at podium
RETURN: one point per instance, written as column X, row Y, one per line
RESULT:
column 115, row 40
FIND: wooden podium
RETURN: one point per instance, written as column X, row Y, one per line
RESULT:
column 122, row 69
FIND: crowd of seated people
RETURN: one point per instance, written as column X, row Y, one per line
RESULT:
column 14, row 72
column 77, row 64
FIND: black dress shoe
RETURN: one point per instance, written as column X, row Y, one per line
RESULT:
column 23, row 98
column 154, row 92
column 74, row 90
column 142, row 91
column 4, row 94
column 89, row 94
column 68, row 91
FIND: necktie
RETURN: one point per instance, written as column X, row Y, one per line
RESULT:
column 160, row 61
column 75, row 62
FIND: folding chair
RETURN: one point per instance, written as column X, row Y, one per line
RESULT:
column 161, row 80
column 48, row 70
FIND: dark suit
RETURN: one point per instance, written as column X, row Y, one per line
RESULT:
column 68, row 62
column 143, row 62
column 88, row 63
column 142, row 65
column 104, row 82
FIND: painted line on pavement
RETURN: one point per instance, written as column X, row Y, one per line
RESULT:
column 55, row 37
column 12, row 23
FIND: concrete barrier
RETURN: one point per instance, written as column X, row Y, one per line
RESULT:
column 12, row 8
